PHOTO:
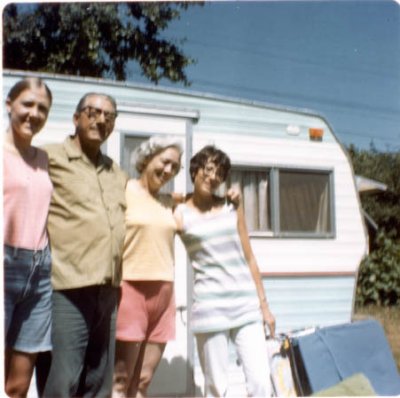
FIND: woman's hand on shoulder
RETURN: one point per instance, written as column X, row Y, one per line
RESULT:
column 234, row 195
column 178, row 198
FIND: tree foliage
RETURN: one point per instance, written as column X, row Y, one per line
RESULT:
column 379, row 274
column 383, row 207
column 95, row 39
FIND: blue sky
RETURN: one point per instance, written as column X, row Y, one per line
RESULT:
column 339, row 58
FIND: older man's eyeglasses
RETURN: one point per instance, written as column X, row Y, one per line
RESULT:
column 94, row 113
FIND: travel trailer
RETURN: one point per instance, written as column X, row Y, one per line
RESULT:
column 301, row 201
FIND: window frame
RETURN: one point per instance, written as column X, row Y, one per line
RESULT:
column 274, row 171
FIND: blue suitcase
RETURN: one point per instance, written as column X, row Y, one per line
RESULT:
column 332, row 354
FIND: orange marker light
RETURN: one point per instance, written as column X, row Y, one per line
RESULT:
column 315, row 134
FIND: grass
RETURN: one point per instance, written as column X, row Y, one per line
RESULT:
column 389, row 317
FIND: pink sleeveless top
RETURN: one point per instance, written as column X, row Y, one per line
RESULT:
column 27, row 192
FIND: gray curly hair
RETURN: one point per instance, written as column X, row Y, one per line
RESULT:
column 151, row 147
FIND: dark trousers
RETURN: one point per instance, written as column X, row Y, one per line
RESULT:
column 83, row 337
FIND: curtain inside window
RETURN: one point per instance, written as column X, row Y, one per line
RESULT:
column 304, row 202
column 255, row 190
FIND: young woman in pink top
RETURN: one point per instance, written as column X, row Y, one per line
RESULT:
column 27, row 191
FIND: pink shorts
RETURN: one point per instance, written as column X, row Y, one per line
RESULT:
column 146, row 311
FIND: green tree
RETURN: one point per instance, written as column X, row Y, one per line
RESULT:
column 383, row 207
column 379, row 274
column 95, row 39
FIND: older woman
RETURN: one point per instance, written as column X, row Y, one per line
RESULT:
column 146, row 315
column 27, row 191
column 229, row 301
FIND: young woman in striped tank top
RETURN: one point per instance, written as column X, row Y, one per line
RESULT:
column 229, row 301
column 26, row 191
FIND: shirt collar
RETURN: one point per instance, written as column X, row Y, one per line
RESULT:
column 73, row 152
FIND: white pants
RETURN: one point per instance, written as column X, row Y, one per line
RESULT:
column 251, row 348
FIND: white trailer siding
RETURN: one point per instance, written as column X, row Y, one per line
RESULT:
column 309, row 281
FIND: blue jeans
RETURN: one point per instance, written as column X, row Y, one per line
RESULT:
column 27, row 299
column 83, row 342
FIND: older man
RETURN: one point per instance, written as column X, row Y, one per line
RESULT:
column 86, row 229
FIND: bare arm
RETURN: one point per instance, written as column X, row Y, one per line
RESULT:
column 268, row 317
column 178, row 220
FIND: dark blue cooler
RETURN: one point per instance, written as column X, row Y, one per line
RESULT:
column 332, row 354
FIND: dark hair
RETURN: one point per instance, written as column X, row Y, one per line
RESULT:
column 83, row 100
column 26, row 84
column 213, row 154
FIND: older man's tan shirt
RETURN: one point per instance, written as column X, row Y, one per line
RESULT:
column 86, row 218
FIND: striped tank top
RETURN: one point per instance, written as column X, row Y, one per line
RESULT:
column 224, row 293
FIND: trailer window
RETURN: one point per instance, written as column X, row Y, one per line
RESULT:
column 285, row 202
column 304, row 202
column 255, row 188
